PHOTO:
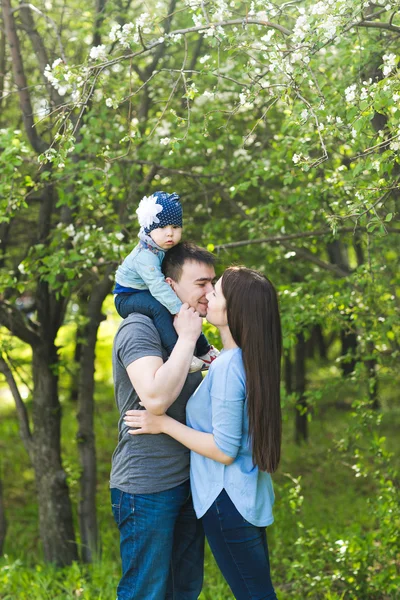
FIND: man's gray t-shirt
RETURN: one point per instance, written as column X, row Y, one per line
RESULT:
column 144, row 464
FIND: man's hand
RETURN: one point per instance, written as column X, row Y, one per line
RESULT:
column 144, row 422
column 188, row 323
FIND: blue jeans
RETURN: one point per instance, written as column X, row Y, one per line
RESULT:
column 161, row 544
column 240, row 550
column 145, row 304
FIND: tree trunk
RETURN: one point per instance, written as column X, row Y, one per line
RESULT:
column 372, row 382
column 349, row 349
column 86, row 437
column 3, row 522
column 55, row 511
column 288, row 373
column 301, row 432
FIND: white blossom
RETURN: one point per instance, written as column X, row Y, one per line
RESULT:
column 111, row 103
column 98, row 53
column 350, row 92
column 389, row 62
column 165, row 141
column 70, row 230
column 268, row 36
column 296, row 158
column 301, row 28
column 204, row 59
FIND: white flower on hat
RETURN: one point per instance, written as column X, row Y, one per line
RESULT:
column 147, row 211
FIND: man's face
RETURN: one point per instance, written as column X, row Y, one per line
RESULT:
column 195, row 282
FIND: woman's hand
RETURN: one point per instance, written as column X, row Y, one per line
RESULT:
column 144, row 421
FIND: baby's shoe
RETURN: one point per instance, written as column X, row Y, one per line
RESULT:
column 196, row 365
column 211, row 355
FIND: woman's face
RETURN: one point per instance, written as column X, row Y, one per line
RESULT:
column 216, row 310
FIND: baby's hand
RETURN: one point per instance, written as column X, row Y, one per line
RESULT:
column 188, row 323
column 143, row 422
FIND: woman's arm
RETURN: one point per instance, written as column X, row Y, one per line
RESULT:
column 198, row 441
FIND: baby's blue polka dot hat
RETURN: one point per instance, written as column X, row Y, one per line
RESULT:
column 171, row 213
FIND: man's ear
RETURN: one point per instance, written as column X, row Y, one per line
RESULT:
column 170, row 281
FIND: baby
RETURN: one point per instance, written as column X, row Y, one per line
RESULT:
column 140, row 284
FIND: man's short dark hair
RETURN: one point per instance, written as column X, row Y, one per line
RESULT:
column 184, row 251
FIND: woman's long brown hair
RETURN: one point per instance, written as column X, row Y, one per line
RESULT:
column 254, row 322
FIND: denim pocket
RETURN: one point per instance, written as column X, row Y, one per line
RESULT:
column 122, row 505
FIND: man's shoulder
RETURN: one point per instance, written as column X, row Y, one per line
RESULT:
column 136, row 325
column 136, row 337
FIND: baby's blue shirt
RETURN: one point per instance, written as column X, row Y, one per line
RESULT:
column 141, row 270
column 219, row 406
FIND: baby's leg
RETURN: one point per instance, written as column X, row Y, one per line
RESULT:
column 145, row 304
column 202, row 345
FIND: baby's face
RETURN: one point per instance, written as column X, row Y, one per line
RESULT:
column 166, row 237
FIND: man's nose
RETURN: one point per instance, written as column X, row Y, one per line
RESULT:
column 209, row 288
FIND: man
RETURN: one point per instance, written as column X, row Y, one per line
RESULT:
column 161, row 541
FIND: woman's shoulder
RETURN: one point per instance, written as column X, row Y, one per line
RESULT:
column 228, row 360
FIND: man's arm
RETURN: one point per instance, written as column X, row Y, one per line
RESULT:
column 158, row 384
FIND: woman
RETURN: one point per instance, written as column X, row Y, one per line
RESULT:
column 234, row 430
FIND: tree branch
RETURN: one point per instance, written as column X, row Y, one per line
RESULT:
column 22, row 413
column 35, row 140
column 39, row 49
column 309, row 256
column 289, row 236
column 12, row 319
column 377, row 25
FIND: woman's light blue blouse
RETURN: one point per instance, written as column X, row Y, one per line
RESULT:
column 219, row 406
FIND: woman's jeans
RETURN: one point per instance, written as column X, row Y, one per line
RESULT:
column 145, row 304
column 161, row 543
column 240, row 550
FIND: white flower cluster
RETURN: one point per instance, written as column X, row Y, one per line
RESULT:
column 395, row 143
column 296, row 158
column 222, row 11
column 125, row 35
column 244, row 98
column 329, row 27
column 350, row 93
column 204, row 59
column 98, row 53
column 58, row 77
column 198, row 20
column 301, row 27
column 129, row 33
column 323, row 18
column 267, row 37
column 193, row 4
column 389, row 63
